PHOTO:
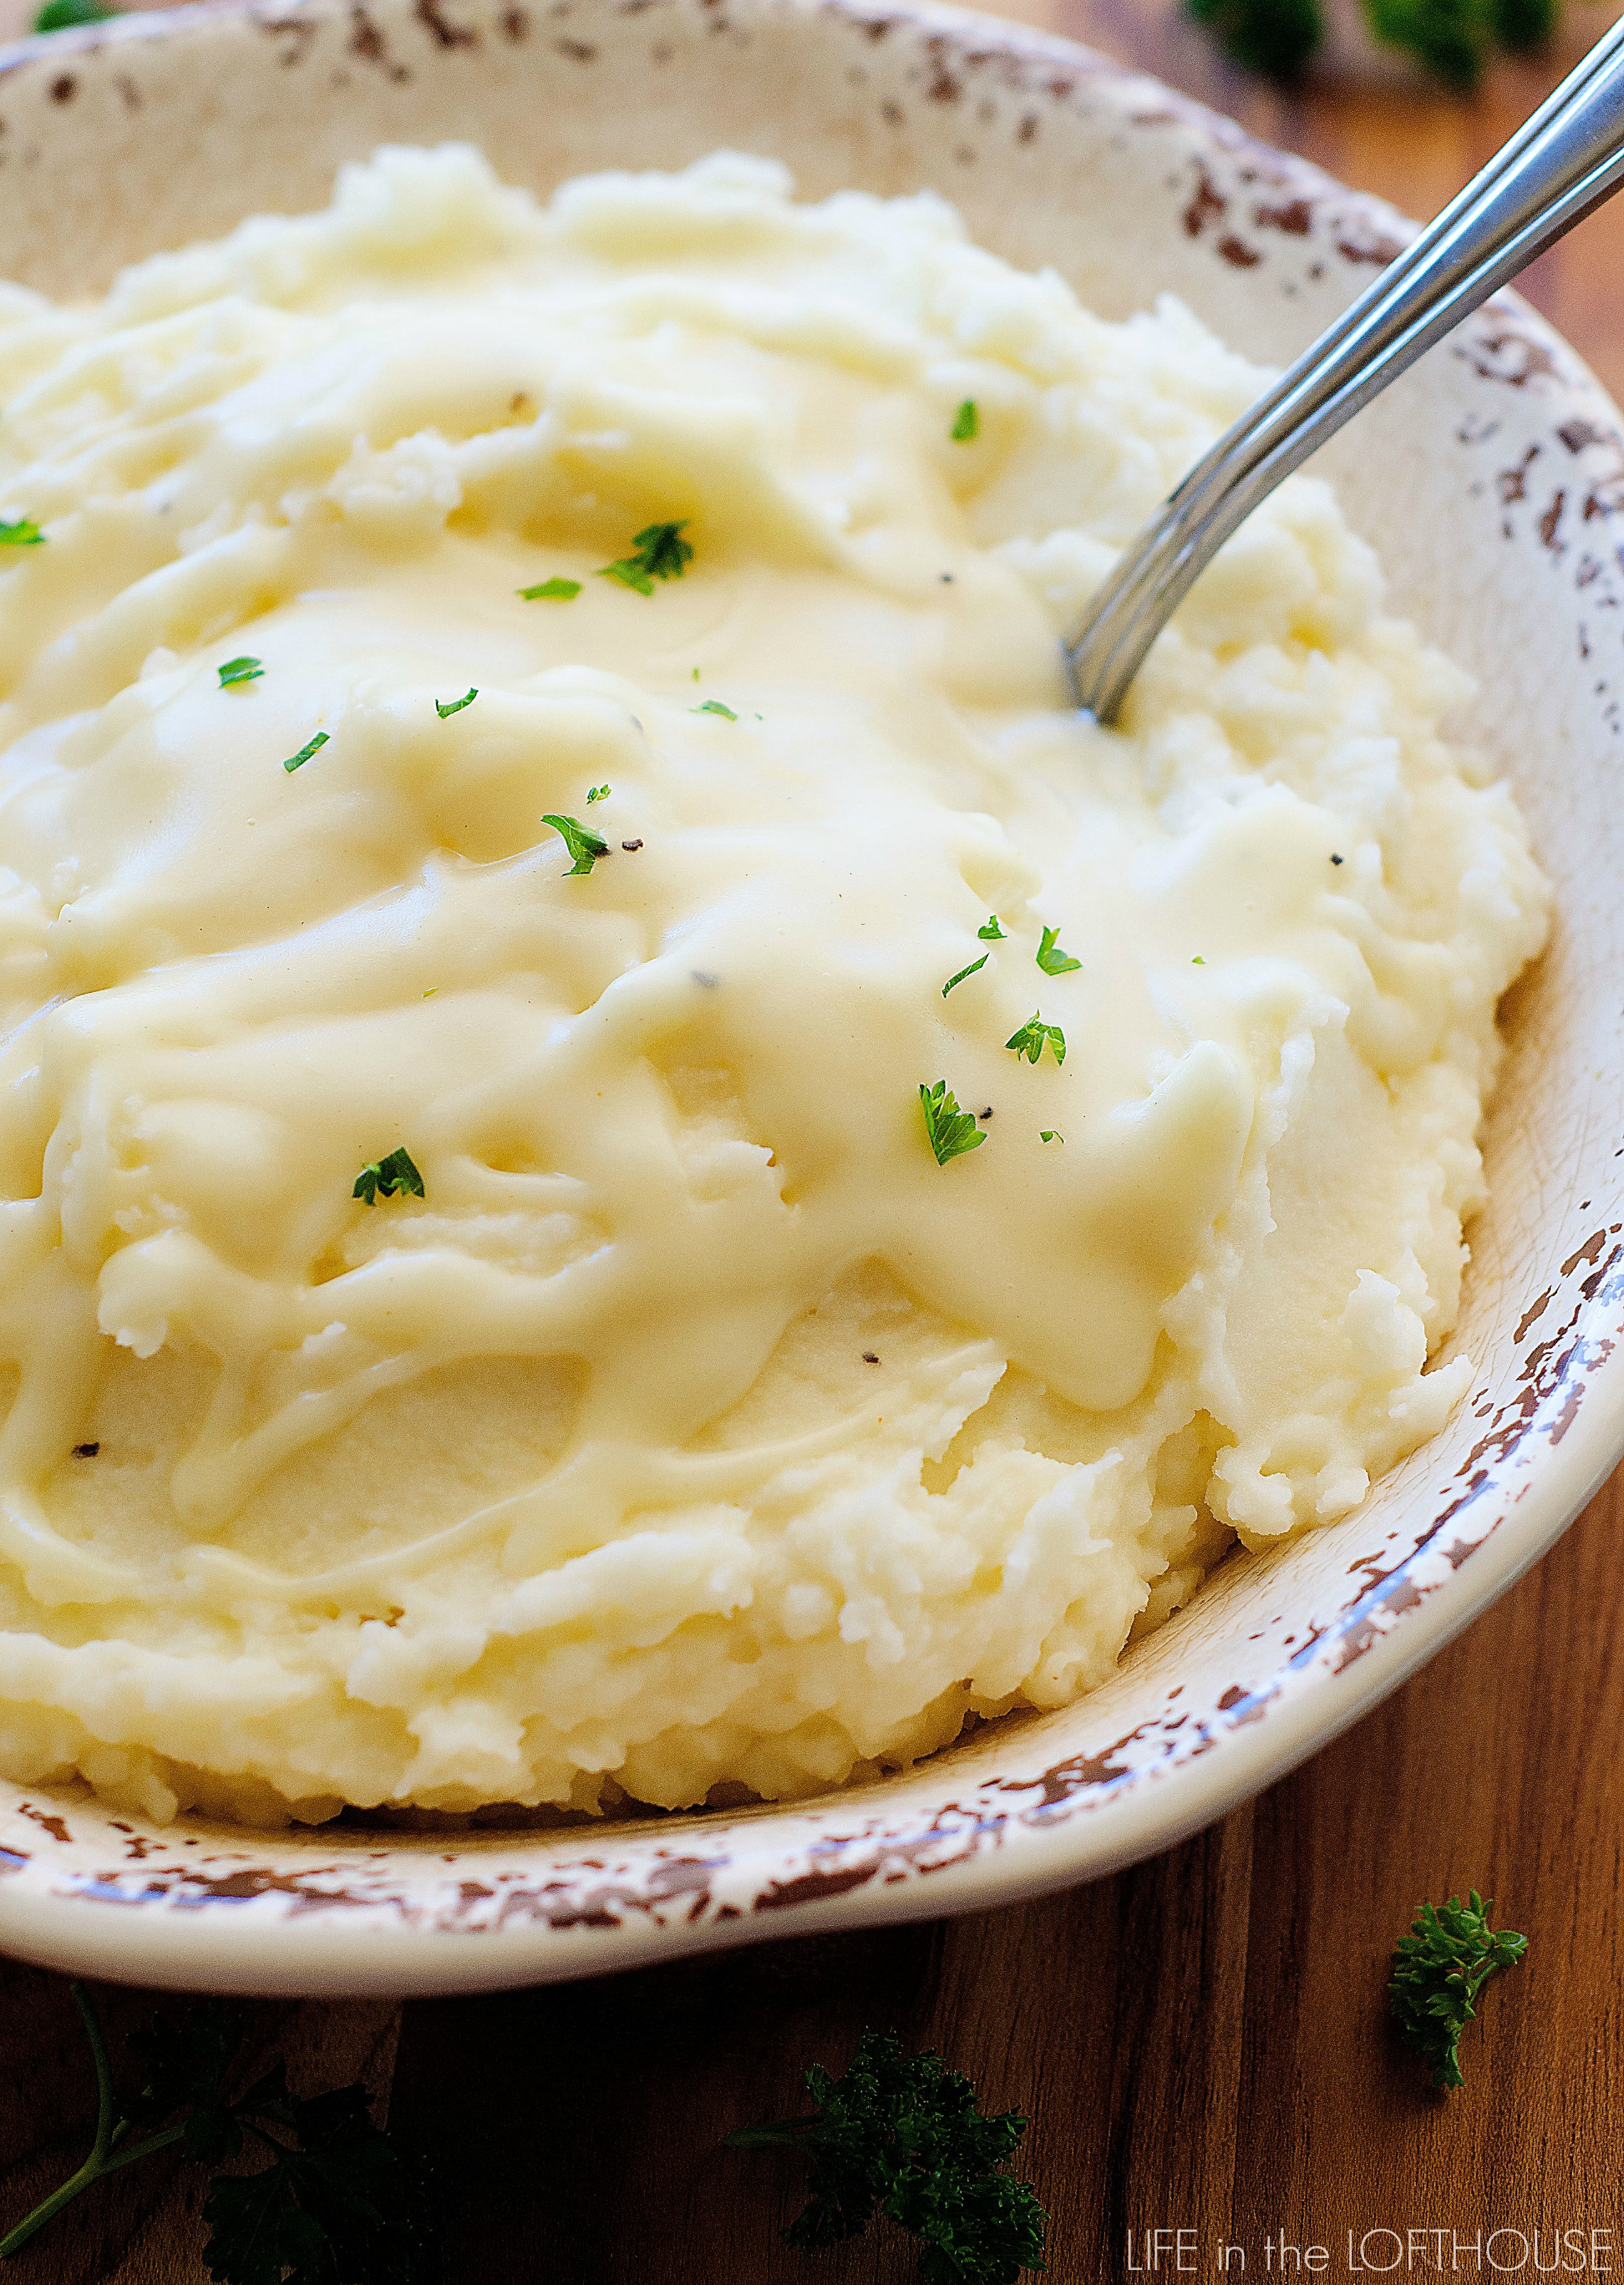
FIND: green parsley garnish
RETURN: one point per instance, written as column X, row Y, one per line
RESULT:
column 966, row 423
column 661, row 554
column 1034, row 1035
column 1196, row 959
column 990, row 930
column 388, row 1178
column 950, row 1132
column 62, row 15
column 583, row 844
column 239, row 670
column 715, row 706
column 1437, row 1970
column 1050, row 1134
column 297, row 761
column 963, row 972
column 337, row 2199
column 902, row 2135
column 596, row 793
column 1051, row 959
column 23, row 531
column 552, row 591
column 449, row 706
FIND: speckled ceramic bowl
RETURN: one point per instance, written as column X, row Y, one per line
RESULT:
column 1492, row 480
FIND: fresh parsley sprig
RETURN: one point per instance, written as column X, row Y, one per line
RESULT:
column 395, row 1176
column 336, row 2205
column 902, row 2135
column 1453, row 38
column 583, row 844
column 949, row 1131
column 661, row 553
column 1438, row 1971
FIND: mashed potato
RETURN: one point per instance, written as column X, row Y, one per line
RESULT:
column 487, row 1321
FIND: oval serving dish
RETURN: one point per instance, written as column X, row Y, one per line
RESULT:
column 1490, row 480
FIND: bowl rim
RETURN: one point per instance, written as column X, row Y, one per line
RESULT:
column 835, row 1864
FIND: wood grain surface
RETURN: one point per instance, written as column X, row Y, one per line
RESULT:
column 1201, row 2043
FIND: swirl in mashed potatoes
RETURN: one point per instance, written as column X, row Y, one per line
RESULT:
column 695, row 1425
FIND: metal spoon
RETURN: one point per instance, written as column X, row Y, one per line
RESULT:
column 1566, row 160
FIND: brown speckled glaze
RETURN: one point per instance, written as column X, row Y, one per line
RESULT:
column 1492, row 479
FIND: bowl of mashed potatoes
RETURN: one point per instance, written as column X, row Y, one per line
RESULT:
column 674, row 1250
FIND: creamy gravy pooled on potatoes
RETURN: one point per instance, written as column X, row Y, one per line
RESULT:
column 695, row 1425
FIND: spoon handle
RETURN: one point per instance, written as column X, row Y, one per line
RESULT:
column 1566, row 160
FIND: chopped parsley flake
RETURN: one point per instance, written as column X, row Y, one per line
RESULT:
column 551, row 591
column 715, row 706
column 583, row 844
column 446, row 706
column 1336, row 860
column 963, row 972
column 431, row 991
column 297, row 761
column 23, row 531
column 1050, row 1134
column 238, row 671
column 395, row 1176
column 949, row 1131
column 990, row 930
column 966, row 423
column 661, row 554
column 1051, row 959
column 1034, row 1035
column 596, row 793
column 1198, row 960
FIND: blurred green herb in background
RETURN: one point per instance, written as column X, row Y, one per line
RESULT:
column 62, row 15
column 1453, row 38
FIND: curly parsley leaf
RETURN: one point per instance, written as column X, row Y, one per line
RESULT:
column 903, row 2135
column 963, row 972
column 661, row 553
column 949, row 1131
column 1050, row 957
column 1438, row 1971
column 551, row 591
column 583, row 844
column 446, row 707
column 395, row 1176
column 1034, row 1035
column 238, row 671
column 22, row 531
column 990, row 930
column 297, row 761
column 966, row 423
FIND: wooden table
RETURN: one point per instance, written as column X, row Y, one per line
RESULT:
column 1200, row 2043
